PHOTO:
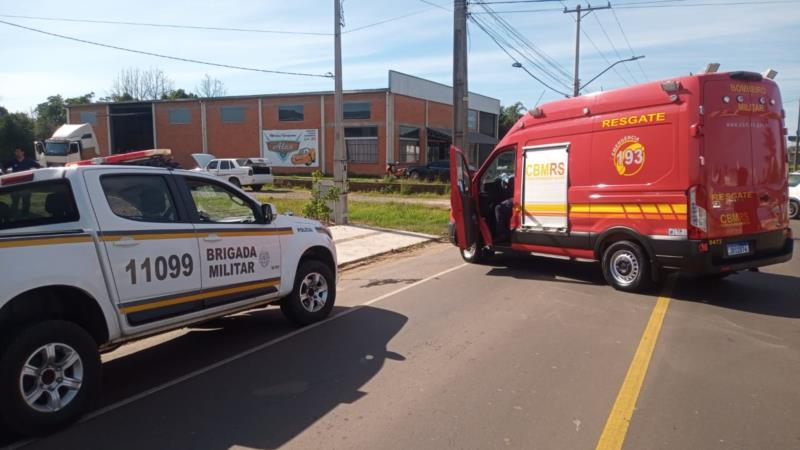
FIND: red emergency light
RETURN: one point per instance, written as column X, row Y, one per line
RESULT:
column 16, row 178
column 123, row 158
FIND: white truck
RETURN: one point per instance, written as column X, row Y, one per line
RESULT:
column 252, row 172
column 95, row 256
column 69, row 143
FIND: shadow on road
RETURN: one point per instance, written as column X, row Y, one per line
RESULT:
column 526, row 267
column 260, row 401
column 755, row 292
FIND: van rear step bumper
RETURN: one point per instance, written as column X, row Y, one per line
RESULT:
column 685, row 256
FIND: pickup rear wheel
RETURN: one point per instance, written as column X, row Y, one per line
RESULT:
column 794, row 209
column 313, row 295
column 48, row 376
column 235, row 181
column 626, row 267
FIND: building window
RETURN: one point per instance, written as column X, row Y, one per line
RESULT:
column 362, row 144
column 180, row 116
column 472, row 120
column 290, row 113
column 356, row 110
column 487, row 125
column 232, row 114
column 89, row 117
column 409, row 144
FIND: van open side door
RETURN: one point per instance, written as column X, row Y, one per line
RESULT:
column 462, row 199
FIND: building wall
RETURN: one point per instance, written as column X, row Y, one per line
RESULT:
column 233, row 140
column 244, row 139
column 100, row 128
column 182, row 138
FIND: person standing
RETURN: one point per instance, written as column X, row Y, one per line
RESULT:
column 21, row 163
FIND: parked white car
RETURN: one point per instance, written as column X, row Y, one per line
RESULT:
column 794, row 195
column 253, row 172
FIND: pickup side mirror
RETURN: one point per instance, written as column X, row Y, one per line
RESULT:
column 268, row 212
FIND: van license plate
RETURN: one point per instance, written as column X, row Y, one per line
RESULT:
column 738, row 248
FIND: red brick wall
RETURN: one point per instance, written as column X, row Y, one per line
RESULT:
column 182, row 139
column 377, row 118
column 100, row 129
column 233, row 140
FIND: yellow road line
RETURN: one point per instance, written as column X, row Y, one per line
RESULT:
column 622, row 412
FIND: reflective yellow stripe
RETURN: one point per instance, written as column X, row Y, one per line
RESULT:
column 606, row 208
column 632, row 208
column 45, row 241
column 679, row 208
column 649, row 208
column 200, row 296
column 150, row 237
column 664, row 208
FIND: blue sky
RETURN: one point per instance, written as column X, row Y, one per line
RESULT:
column 675, row 41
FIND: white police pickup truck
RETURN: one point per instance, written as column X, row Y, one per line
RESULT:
column 95, row 256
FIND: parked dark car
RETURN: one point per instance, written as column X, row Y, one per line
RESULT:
column 435, row 170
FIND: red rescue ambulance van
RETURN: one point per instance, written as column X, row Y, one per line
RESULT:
column 682, row 175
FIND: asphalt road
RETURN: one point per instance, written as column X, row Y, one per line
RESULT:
column 426, row 352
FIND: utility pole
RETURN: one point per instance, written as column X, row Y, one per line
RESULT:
column 797, row 137
column 339, row 151
column 580, row 14
column 460, row 92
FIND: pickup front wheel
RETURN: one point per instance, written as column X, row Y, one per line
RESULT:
column 313, row 295
column 48, row 376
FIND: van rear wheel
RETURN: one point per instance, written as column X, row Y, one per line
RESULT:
column 626, row 267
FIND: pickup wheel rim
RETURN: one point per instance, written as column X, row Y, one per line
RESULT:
column 793, row 207
column 51, row 377
column 624, row 267
column 313, row 292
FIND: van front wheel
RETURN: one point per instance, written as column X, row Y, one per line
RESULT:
column 625, row 266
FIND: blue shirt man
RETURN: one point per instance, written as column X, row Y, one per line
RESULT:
column 21, row 163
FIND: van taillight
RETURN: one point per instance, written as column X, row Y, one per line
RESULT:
column 698, row 216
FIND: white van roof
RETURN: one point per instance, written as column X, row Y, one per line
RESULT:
column 72, row 131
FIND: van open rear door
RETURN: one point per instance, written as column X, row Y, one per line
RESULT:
column 745, row 163
column 462, row 199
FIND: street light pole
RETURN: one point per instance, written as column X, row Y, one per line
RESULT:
column 339, row 151
column 632, row 58
column 576, row 82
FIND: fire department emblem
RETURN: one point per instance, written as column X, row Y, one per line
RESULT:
column 628, row 156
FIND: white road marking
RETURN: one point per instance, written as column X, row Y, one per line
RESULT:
column 241, row 355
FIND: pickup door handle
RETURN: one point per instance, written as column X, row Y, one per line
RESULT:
column 126, row 241
column 212, row 238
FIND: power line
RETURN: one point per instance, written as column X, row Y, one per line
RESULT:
column 522, row 54
column 158, row 55
column 212, row 28
column 436, row 5
column 654, row 4
column 614, row 47
column 165, row 25
column 625, row 36
column 492, row 37
column 515, row 35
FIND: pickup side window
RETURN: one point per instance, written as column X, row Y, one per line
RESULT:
column 144, row 198
column 218, row 204
column 225, row 165
column 212, row 165
column 35, row 204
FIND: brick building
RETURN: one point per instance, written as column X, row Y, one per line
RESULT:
column 409, row 122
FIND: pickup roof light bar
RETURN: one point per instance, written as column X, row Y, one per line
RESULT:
column 16, row 178
column 123, row 158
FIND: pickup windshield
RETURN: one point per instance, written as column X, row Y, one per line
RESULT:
column 56, row 148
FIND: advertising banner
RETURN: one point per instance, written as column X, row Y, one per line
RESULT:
column 291, row 148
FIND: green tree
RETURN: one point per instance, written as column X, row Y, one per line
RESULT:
column 509, row 116
column 52, row 113
column 176, row 94
column 16, row 130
